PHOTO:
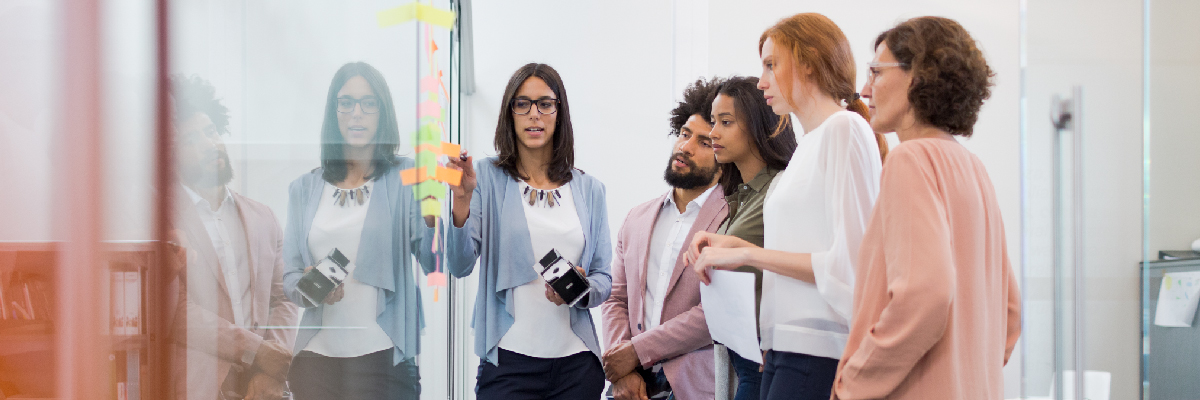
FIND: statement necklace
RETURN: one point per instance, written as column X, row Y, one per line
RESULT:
column 349, row 197
column 543, row 198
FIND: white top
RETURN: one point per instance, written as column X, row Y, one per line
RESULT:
column 228, row 237
column 666, row 241
column 819, row 205
column 540, row 328
column 348, row 327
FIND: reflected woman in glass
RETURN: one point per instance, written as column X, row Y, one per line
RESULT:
column 511, row 210
column 936, row 306
column 360, row 341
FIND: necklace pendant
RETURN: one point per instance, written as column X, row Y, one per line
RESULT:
column 532, row 198
column 550, row 201
column 361, row 198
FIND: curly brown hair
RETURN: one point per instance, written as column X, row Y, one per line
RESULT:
column 951, row 79
column 697, row 100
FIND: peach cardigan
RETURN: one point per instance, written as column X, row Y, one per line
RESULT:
column 936, row 306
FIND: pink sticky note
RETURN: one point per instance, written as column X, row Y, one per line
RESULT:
column 430, row 83
column 429, row 109
column 437, row 279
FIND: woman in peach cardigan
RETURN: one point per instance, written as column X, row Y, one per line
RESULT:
column 936, row 306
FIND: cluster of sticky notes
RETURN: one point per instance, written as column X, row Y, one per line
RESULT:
column 421, row 12
column 428, row 175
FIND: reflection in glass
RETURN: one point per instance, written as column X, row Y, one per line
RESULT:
column 239, row 327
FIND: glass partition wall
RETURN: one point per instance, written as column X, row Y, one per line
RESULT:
column 1109, row 202
column 1081, row 129
column 162, row 145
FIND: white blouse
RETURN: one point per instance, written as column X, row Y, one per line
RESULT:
column 819, row 205
column 540, row 328
column 349, row 327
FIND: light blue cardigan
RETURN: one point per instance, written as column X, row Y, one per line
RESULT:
column 497, row 234
column 393, row 230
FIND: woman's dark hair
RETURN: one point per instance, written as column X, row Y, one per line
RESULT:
column 950, row 77
column 193, row 94
column 775, row 142
column 387, row 136
column 697, row 100
column 563, row 141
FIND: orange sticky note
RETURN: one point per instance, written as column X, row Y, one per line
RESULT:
column 451, row 149
column 449, row 175
column 413, row 176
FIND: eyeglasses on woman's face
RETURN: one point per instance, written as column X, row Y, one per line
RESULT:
column 545, row 105
column 369, row 105
column 874, row 69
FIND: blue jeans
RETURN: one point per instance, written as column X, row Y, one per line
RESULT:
column 796, row 376
column 749, row 377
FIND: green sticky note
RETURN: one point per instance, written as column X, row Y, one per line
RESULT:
column 429, row 133
column 431, row 208
column 429, row 188
column 428, row 160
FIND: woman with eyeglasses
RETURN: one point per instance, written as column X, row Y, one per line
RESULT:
column 936, row 307
column 361, row 341
column 815, row 213
column 508, row 212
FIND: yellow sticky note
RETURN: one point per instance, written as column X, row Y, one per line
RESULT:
column 429, row 188
column 431, row 208
column 424, row 13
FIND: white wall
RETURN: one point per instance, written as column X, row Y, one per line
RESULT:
column 1174, row 192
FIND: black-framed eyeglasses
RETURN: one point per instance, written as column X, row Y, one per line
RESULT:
column 545, row 106
column 370, row 105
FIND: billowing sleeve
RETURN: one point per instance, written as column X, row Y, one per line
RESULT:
column 293, row 260
column 852, row 168
column 920, row 282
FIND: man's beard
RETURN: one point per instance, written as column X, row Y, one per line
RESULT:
column 696, row 177
column 197, row 177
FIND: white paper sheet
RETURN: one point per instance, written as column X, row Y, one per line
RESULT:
column 729, row 312
column 1177, row 299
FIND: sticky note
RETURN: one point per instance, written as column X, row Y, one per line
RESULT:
column 429, row 189
column 430, row 108
column 430, row 83
column 449, row 175
column 429, row 132
column 451, row 149
column 437, row 279
column 421, row 12
column 413, row 176
column 431, row 207
column 427, row 160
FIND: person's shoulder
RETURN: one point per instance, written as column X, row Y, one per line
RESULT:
column 306, row 180
column 254, row 207
column 847, row 122
column 586, row 181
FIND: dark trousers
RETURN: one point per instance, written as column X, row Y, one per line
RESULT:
column 367, row 377
column 519, row 377
column 748, row 375
column 797, row 376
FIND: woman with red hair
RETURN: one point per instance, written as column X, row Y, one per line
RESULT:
column 815, row 213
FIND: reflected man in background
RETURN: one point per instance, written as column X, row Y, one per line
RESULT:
column 654, row 324
column 240, row 327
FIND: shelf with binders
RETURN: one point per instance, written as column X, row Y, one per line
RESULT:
column 28, row 351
